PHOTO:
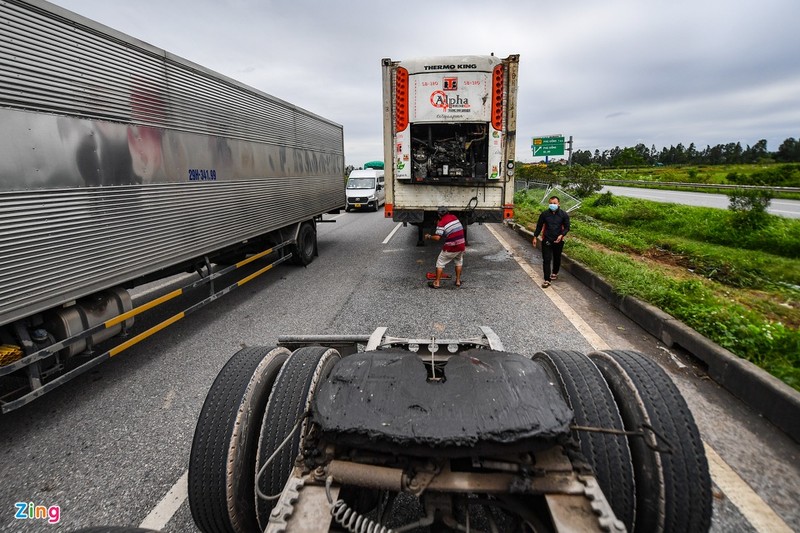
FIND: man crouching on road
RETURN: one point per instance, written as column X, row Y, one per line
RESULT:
column 451, row 229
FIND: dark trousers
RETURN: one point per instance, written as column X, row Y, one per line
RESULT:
column 551, row 251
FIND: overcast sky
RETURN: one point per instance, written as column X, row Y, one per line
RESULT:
column 608, row 72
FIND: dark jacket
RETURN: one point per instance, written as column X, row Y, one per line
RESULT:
column 554, row 223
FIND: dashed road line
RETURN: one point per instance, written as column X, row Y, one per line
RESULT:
column 389, row 237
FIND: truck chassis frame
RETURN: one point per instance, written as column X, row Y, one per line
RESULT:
column 282, row 444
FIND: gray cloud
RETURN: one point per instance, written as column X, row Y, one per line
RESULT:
column 611, row 73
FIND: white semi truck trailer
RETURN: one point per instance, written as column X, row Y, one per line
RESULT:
column 121, row 163
column 449, row 127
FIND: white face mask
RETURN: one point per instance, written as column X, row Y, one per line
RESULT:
column 553, row 207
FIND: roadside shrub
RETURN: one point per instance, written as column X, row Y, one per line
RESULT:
column 582, row 181
column 787, row 175
column 605, row 200
column 750, row 207
column 735, row 177
column 778, row 176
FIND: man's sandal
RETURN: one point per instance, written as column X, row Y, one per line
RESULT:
column 545, row 284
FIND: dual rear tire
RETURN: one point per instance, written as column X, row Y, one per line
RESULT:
column 671, row 471
column 656, row 480
column 253, row 404
column 225, row 444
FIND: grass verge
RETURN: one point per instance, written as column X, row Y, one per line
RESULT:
column 739, row 287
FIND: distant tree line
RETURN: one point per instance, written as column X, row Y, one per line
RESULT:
column 721, row 154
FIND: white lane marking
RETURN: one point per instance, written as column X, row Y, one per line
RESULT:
column 580, row 324
column 672, row 356
column 168, row 399
column 163, row 512
column 786, row 211
column 389, row 237
column 754, row 509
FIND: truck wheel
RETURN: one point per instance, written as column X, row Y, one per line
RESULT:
column 291, row 397
column 223, row 456
column 586, row 391
column 673, row 489
column 304, row 250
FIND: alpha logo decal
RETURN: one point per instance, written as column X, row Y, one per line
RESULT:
column 439, row 99
column 453, row 102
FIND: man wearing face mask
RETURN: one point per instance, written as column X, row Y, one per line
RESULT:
column 553, row 224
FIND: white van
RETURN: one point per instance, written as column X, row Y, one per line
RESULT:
column 365, row 189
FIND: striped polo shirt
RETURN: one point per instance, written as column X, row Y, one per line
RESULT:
column 453, row 232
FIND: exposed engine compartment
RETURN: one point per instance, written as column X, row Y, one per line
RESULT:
column 449, row 153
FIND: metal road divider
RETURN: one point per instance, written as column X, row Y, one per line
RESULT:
column 685, row 185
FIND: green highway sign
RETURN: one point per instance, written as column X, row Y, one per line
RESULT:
column 547, row 146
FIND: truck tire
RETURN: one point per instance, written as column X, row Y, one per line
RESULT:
column 304, row 250
column 223, row 455
column 587, row 393
column 291, row 397
column 673, row 490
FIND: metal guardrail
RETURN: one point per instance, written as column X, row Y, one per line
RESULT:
column 697, row 185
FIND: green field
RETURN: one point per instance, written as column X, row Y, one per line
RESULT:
column 736, row 284
column 711, row 174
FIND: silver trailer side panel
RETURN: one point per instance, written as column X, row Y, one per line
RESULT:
column 118, row 159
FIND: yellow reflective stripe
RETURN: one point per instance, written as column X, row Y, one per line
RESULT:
column 253, row 275
column 142, row 308
column 141, row 336
column 253, row 258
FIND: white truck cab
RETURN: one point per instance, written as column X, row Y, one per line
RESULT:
column 365, row 189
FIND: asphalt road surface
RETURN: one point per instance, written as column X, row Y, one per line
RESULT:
column 112, row 447
column 784, row 208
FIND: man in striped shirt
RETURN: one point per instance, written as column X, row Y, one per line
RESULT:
column 452, row 231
